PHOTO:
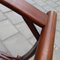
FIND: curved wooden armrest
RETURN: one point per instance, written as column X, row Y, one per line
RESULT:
column 46, row 40
column 27, row 10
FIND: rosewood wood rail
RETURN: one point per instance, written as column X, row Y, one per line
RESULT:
column 43, row 48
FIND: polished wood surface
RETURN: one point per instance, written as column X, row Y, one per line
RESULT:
column 27, row 10
column 46, row 40
column 43, row 48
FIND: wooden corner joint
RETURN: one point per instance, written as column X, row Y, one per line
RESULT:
column 46, row 41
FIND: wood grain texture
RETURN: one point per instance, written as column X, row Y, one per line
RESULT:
column 46, row 40
column 46, row 21
column 27, row 10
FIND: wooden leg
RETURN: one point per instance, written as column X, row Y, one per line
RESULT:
column 30, row 53
column 32, row 28
column 46, row 40
column 36, row 34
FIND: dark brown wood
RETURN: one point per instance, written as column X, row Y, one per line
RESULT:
column 5, row 56
column 32, row 28
column 27, row 10
column 46, row 40
column 34, row 31
column 30, row 53
column 32, row 15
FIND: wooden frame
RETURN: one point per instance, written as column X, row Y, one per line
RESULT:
column 46, row 40
column 43, row 48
